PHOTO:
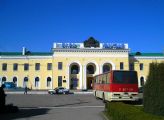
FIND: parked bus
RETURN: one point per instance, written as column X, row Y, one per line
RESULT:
column 116, row 85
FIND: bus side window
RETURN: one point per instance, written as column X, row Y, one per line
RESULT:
column 108, row 78
column 97, row 79
column 100, row 79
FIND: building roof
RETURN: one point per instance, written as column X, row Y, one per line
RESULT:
column 146, row 54
column 28, row 53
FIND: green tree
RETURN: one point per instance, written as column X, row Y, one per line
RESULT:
column 154, row 90
column 91, row 42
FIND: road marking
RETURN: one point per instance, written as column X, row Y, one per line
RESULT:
column 73, row 107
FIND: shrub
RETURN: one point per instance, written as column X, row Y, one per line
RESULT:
column 154, row 90
column 121, row 111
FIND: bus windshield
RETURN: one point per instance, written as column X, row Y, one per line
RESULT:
column 125, row 77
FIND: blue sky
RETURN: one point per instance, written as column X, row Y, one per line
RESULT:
column 37, row 24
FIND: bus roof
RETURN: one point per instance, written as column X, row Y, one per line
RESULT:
column 115, row 70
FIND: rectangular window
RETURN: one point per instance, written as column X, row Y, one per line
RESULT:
column 131, row 66
column 4, row 66
column 37, row 66
column 15, row 66
column 49, row 66
column 59, row 81
column 26, row 66
column 60, row 65
column 141, row 66
column 121, row 65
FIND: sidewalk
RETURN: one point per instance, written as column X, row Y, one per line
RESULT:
column 46, row 92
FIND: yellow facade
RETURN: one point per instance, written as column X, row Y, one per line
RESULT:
column 78, row 66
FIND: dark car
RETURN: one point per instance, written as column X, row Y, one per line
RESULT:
column 58, row 90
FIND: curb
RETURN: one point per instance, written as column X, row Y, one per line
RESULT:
column 104, row 116
column 42, row 93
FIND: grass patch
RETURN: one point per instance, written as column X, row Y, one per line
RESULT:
column 121, row 111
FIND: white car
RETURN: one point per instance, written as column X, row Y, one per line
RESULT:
column 58, row 90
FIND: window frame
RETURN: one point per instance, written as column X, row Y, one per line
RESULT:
column 141, row 66
column 60, row 65
column 15, row 67
column 26, row 66
column 37, row 66
column 49, row 66
column 121, row 65
column 4, row 67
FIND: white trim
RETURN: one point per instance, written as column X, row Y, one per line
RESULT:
column 89, row 50
column 91, row 55
column 26, row 57
column 146, row 57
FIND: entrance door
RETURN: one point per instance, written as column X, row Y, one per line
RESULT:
column 59, row 81
column 74, row 83
column 89, row 82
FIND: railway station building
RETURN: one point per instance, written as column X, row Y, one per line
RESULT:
column 72, row 65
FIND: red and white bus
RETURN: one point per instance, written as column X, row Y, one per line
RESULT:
column 116, row 85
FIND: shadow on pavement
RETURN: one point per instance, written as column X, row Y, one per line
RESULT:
column 23, row 113
column 78, row 103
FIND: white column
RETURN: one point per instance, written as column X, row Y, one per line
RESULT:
column 81, row 77
column 84, row 78
column 68, row 77
column 100, row 69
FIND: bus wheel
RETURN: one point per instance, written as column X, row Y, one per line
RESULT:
column 103, row 97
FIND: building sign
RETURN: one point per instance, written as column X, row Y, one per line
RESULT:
column 67, row 45
column 112, row 46
column 115, row 46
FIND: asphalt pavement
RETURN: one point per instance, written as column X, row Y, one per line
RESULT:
column 54, row 107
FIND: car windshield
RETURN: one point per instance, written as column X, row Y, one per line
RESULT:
column 61, row 88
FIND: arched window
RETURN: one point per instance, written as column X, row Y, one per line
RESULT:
column 90, row 69
column 106, row 68
column 25, row 82
column 3, row 79
column 142, row 81
column 37, row 82
column 49, row 82
column 74, row 69
column 15, row 80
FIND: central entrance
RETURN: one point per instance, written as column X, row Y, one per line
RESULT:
column 91, row 68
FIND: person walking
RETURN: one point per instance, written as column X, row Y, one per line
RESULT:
column 2, row 96
column 25, row 90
